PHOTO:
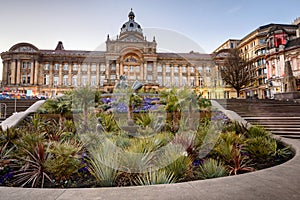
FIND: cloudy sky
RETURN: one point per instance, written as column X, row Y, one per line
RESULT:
column 178, row 25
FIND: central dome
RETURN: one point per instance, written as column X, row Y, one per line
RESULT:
column 131, row 25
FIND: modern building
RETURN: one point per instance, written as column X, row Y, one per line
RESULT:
column 52, row 71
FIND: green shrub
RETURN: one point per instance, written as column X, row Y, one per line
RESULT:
column 261, row 147
column 64, row 160
column 212, row 169
column 257, row 131
column 155, row 177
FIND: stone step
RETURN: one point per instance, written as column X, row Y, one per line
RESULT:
column 281, row 125
column 286, row 132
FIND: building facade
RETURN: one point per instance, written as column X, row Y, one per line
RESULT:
column 254, row 47
column 50, row 72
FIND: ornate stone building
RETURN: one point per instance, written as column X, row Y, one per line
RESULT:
column 254, row 47
column 50, row 72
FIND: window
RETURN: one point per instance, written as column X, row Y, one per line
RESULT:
column 168, row 81
column 93, row 80
column 46, row 79
column 113, row 66
column 175, row 69
column 159, row 68
column 47, row 66
column 131, row 77
column 28, row 78
column 184, row 81
column 168, row 69
column 102, row 67
column 176, row 81
column 74, row 80
column 24, row 65
column 131, row 68
column 183, row 69
column 160, row 80
column 56, row 66
column 75, row 67
column 200, row 69
column 55, row 80
column 113, row 77
column 84, row 67
column 24, row 79
column 84, row 80
column 207, row 70
column 65, row 80
column 149, row 67
column 93, row 67
column 192, row 81
column 102, row 78
column 149, row 77
column 125, row 68
column 66, row 67
column 192, row 69
column 137, row 69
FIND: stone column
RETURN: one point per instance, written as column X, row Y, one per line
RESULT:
column 188, row 74
column 60, row 75
column 79, row 75
column 97, row 74
column 13, row 72
column 107, row 70
column 164, row 75
column 141, row 72
column 18, row 72
column 172, row 75
column 118, row 70
column 89, row 74
column 180, row 75
column 70, row 70
column 145, row 71
column 121, row 69
column 5, row 73
column 32, row 68
column 51, row 75
column 36, row 73
column 154, row 71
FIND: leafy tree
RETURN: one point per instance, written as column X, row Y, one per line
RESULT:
column 234, row 69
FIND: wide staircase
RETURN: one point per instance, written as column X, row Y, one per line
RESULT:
column 17, row 105
column 280, row 117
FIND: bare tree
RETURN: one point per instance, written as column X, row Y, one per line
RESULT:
column 234, row 69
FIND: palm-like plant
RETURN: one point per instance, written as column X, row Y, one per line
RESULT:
column 60, row 106
column 83, row 99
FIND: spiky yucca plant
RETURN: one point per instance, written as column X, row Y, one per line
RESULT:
column 103, row 164
column 212, row 169
column 155, row 177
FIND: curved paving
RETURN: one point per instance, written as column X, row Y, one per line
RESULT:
column 279, row 182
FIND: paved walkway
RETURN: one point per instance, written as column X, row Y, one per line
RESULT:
column 279, row 182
